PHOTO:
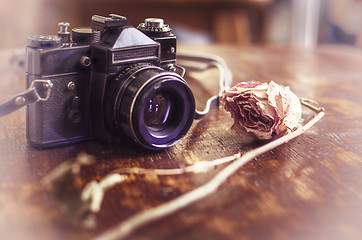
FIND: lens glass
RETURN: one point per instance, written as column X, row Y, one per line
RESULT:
column 157, row 113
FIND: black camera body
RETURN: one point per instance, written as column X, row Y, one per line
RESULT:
column 109, row 80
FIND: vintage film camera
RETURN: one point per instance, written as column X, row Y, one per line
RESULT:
column 109, row 80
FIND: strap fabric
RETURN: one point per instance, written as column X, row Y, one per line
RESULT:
column 205, row 61
column 20, row 100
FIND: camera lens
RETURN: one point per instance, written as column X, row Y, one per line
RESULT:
column 154, row 107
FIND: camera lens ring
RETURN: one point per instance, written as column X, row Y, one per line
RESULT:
column 179, row 119
column 125, row 105
column 122, row 81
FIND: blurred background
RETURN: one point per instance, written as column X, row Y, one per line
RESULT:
column 305, row 23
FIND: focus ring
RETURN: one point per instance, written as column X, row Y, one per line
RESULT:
column 117, row 100
column 140, row 79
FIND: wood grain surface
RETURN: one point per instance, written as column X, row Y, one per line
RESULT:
column 309, row 188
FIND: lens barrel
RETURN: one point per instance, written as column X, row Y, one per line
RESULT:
column 154, row 107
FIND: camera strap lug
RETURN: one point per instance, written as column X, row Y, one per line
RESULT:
column 30, row 95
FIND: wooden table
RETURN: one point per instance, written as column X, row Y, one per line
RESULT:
column 309, row 188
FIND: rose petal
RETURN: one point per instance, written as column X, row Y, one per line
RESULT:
column 293, row 109
column 262, row 109
column 249, row 84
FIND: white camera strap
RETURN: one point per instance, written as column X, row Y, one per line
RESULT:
column 188, row 59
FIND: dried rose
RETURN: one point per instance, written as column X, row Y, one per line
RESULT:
column 263, row 110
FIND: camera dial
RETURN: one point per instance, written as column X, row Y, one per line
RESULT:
column 156, row 23
column 154, row 26
column 44, row 41
column 85, row 35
